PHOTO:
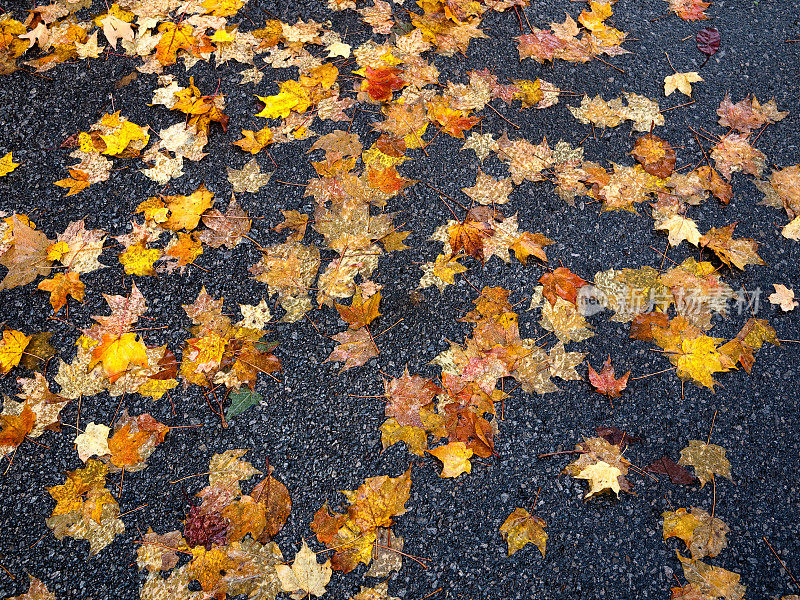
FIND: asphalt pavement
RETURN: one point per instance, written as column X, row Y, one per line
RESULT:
column 321, row 439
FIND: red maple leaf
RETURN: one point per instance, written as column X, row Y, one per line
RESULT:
column 604, row 382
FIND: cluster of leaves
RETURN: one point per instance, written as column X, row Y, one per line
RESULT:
column 462, row 409
column 227, row 537
column 370, row 514
column 111, row 356
column 28, row 253
column 602, row 465
column 224, row 353
column 85, row 508
column 561, row 41
column 704, row 534
column 38, row 412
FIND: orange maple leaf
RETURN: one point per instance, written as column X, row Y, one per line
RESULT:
column 16, row 427
column 561, row 283
column 605, row 383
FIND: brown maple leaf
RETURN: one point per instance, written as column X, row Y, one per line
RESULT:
column 655, row 155
column 226, row 229
column 355, row 347
column 16, row 427
column 676, row 473
column 26, row 258
column 737, row 252
column 407, row 395
column 471, row 234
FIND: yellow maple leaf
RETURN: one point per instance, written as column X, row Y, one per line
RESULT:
column 254, row 141
column 139, row 259
column 679, row 228
column 119, row 140
column 62, row 285
column 57, row 251
column 521, row 528
column 455, row 458
column 292, row 97
column 174, row 37
column 185, row 211
column 117, row 354
column 222, row 8
column 207, row 566
column 76, row 182
column 156, row 388
column 681, row 82
column 306, row 577
column 206, row 352
column 698, row 359
column 11, row 349
column 7, row 164
column 680, row 524
column 601, row 477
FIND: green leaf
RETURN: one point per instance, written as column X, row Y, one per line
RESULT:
column 241, row 400
column 263, row 345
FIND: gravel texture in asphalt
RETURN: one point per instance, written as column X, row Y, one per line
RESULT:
column 321, row 439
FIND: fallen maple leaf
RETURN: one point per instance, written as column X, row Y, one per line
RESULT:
column 355, row 347
column 704, row 535
column 62, row 285
column 7, row 164
column 712, row 582
column 93, row 441
column 455, row 458
column 118, row 354
column 604, row 382
column 707, row 459
column 471, row 234
column 784, row 297
column 16, row 427
column 561, row 283
column 739, row 252
column 681, row 82
column 656, row 156
column 37, row 590
column 362, row 311
column 12, row 347
column 689, row 10
column 522, row 528
column 602, row 477
column 306, row 577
